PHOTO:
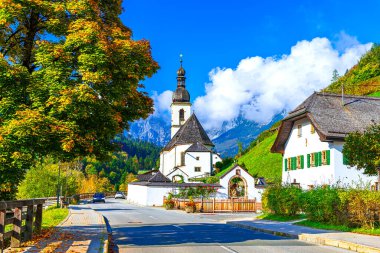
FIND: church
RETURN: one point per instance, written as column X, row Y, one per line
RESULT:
column 189, row 154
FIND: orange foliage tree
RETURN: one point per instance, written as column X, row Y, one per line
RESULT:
column 70, row 78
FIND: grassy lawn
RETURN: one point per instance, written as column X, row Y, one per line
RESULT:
column 274, row 217
column 342, row 228
column 51, row 217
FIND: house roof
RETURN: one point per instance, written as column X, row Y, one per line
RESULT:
column 190, row 132
column 152, row 176
column 175, row 185
column 177, row 169
column 331, row 119
column 198, row 147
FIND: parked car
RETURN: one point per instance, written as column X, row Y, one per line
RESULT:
column 99, row 197
column 119, row 195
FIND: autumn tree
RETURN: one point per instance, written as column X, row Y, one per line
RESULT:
column 363, row 150
column 70, row 76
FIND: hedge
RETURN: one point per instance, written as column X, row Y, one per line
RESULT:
column 350, row 207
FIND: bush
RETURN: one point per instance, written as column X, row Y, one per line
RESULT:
column 322, row 204
column 282, row 199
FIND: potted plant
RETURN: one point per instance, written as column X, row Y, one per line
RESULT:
column 190, row 206
column 169, row 202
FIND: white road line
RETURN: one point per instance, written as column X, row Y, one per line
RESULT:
column 228, row 249
column 153, row 217
column 178, row 227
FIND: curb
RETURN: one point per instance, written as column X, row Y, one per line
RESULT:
column 67, row 217
column 105, row 233
column 313, row 239
column 267, row 231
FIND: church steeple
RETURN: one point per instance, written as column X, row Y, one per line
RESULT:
column 181, row 94
column 181, row 107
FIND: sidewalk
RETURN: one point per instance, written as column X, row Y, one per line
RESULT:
column 84, row 230
column 351, row 241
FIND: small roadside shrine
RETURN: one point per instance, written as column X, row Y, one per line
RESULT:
column 238, row 183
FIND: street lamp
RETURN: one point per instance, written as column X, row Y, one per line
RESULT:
column 58, row 183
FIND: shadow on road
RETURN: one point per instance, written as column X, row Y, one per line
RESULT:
column 194, row 233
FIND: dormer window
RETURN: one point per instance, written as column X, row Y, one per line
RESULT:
column 299, row 130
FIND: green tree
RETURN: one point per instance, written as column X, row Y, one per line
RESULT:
column 69, row 82
column 363, row 150
column 335, row 76
column 42, row 180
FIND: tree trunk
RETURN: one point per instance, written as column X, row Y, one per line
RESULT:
column 32, row 28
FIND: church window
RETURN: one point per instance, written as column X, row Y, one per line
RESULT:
column 181, row 115
column 197, row 169
column 312, row 159
column 182, row 158
column 299, row 133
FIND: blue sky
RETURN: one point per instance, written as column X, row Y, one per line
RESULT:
column 221, row 33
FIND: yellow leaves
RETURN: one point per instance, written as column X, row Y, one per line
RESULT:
column 68, row 145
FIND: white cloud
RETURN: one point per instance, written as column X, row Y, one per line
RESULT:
column 260, row 88
column 162, row 103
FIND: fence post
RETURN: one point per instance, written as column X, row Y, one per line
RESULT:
column 16, row 235
column 38, row 221
column 28, row 223
column 213, row 205
column 2, row 228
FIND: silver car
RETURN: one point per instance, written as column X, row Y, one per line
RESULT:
column 119, row 195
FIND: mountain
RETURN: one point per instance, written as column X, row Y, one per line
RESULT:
column 243, row 131
column 155, row 130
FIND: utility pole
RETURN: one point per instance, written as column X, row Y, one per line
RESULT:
column 58, row 184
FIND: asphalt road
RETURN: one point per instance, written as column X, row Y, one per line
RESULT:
column 153, row 230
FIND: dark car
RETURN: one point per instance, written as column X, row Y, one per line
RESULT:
column 99, row 197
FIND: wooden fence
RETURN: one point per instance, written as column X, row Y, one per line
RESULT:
column 221, row 205
column 28, row 210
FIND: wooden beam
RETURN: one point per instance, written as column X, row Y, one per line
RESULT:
column 16, row 235
column 28, row 233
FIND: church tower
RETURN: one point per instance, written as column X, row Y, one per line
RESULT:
column 181, row 106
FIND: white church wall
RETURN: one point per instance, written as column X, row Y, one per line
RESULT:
column 156, row 195
column 137, row 194
column 199, row 160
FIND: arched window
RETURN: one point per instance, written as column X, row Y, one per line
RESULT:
column 181, row 115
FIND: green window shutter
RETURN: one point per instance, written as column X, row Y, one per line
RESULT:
column 345, row 160
column 320, row 158
column 308, row 160
column 302, row 162
column 286, row 164
column 328, row 157
column 294, row 163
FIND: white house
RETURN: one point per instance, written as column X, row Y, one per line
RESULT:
column 311, row 139
column 189, row 153
column 238, row 183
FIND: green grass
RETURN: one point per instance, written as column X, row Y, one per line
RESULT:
column 260, row 162
column 274, row 217
column 375, row 94
column 342, row 228
column 52, row 216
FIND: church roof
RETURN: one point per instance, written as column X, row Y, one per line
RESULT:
column 181, row 95
column 198, row 147
column 152, row 176
column 189, row 133
column 331, row 119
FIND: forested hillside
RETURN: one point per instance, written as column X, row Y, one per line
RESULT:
column 362, row 79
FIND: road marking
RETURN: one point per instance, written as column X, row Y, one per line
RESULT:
column 178, row 227
column 153, row 217
column 228, row 249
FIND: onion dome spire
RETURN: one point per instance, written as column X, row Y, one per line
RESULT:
column 181, row 94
